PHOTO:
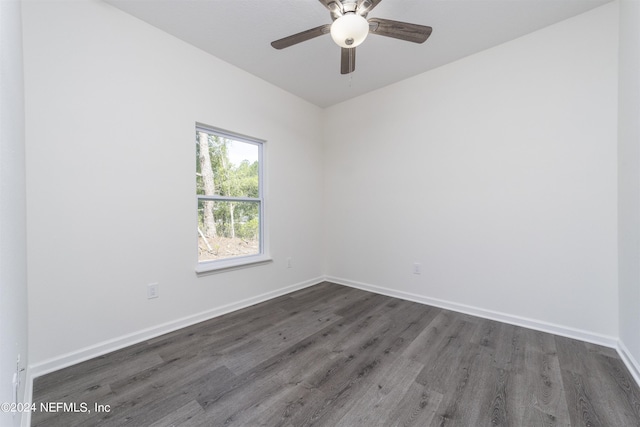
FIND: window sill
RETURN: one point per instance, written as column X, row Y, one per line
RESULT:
column 212, row 267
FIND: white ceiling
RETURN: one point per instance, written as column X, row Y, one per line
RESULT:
column 240, row 31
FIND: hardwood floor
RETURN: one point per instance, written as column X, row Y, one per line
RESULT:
column 334, row 356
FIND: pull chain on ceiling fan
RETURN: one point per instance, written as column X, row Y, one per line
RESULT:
column 350, row 28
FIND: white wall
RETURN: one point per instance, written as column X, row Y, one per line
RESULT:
column 111, row 107
column 629, row 180
column 497, row 173
column 13, row 264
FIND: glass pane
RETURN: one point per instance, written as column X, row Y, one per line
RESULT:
column 228, row 229
column 226, row 167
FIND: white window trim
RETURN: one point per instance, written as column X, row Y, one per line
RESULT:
column 218, row 266
column 221, row 265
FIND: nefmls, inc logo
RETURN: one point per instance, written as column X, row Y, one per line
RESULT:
column 64, row 407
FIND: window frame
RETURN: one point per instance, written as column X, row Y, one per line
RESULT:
column 236, row 262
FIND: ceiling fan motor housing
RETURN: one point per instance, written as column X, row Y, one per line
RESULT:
column 349, row 6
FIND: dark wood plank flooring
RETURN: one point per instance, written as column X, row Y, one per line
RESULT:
column 330, row 355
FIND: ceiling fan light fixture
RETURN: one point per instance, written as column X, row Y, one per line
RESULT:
column 349, row 30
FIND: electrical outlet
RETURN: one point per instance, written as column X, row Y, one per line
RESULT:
column 417, row 268
column 289, row 264
column 152, row 291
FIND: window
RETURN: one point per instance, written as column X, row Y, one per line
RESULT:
column 229, row 172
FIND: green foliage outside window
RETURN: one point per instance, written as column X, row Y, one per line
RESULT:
column 230, row 176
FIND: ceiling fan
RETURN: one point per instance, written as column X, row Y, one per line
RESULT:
column 350, row 27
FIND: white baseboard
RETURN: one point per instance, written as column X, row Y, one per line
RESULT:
column 537, row 325
column 632, row 364
column 118, row 343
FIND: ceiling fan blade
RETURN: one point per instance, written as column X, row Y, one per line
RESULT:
column 366, row 6
column 301, row 37
column 399, row 30
column 347, row 60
